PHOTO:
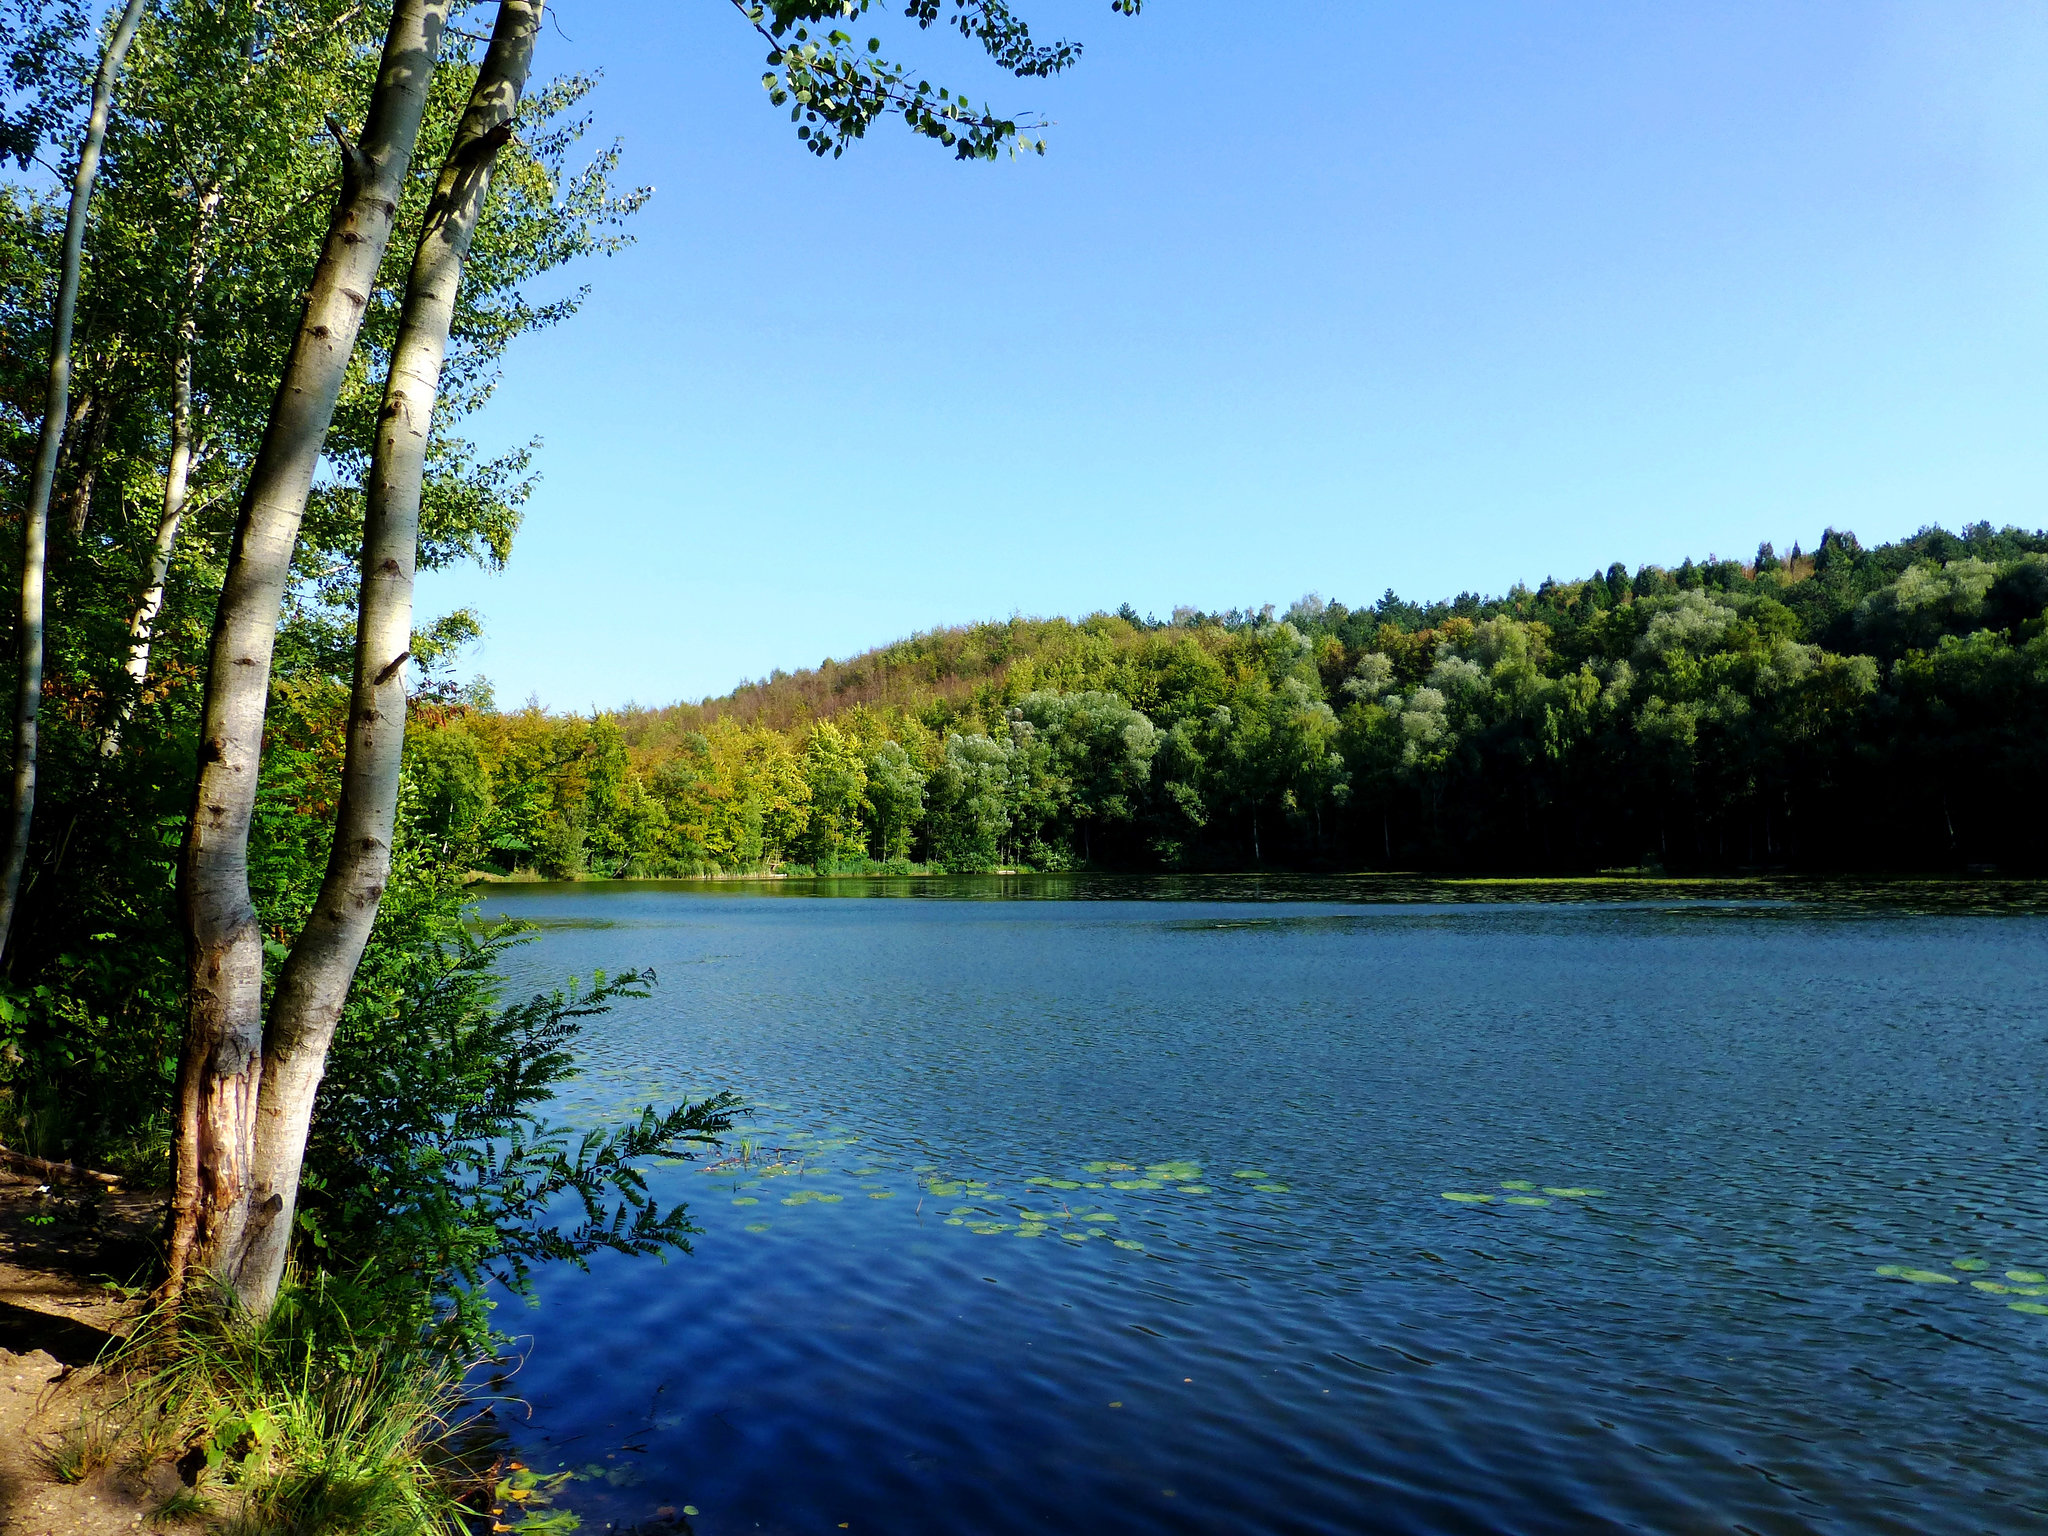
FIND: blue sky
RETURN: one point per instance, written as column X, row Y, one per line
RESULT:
column 1319, row 296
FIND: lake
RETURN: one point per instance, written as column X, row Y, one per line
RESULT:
column 1315, row 1206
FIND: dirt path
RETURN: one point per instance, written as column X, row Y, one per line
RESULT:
column 60, row 1246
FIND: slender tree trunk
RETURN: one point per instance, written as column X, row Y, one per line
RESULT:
column 220, row 1074
column 177, row 483
column 315, row 981
column 36, row 518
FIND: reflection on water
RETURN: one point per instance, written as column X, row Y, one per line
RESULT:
column 1353, row 1214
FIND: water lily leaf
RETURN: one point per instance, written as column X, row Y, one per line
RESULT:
column 746, row 1200
column 1175, row 1170
column 757, row 1226
column 2027, row 1276
column 1062, row 1184
column 1032, row 1229
column 1076, row 1237
column 1251, row 1173
column 2033, row 1307
column 1126, row 1243
column 1111, row 1167
column 1466, row 1199
column 1992, row 1286
column 1524, row 1200
column 956, row 1221
column 2029, row 1290
column 1573, row 1193
column 1274, row 1189
column 1192, row 1189
column 1091, row 1186
column 1517, row 1184
column 1972, row 1264
column 1916, row 1276
column 1098, row 1216
column 1135, row 1184
column 878, row 1194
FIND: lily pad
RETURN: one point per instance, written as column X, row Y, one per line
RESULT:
column 1192, row 1189
column 1524, row 1200
column 746, row 1200
column 1915, row 1276
column 757, row 1226
column 1275, row 1189
column 1122, row 1242
column 1573, row 1192
column 1972, row 1265
column 1251, row 1173
column 1174, row 1170
column 1135, row 1184
column 1112, row 1167
column 1098, row 1216
column 1466, row 1199
column 1522, row 1184
column 956, row 1221
column 1092, row 1185
column 1032, row 1229
column 1992, row 1286
column 881, row 1194
column 1075, row 1237
column 2027, row 1276
column 2033, row 1307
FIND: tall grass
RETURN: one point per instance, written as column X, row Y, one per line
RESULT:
column 293, row 1424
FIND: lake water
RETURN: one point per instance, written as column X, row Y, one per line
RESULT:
column 1130, row 1215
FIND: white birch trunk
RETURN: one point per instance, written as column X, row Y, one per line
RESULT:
column 221, row 1070
column 177, row 484
column 315, row 981
column 36, row 517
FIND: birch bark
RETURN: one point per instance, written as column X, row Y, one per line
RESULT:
column 177, row 483
column 220, row 1074
column 315, row 981
column 36, row 518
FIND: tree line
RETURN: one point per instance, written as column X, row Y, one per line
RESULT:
column 1880, row 709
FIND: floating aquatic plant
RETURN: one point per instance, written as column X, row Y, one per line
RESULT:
column 1251, row 1173
column 1521, row 1184
column 2027, row 1276
column 1971, row 1265
column 1915, row 1276
column 1464, row 1198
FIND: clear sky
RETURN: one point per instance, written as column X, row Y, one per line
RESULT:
column 1335, row 295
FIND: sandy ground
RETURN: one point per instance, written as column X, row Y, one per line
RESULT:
column 60, row 1245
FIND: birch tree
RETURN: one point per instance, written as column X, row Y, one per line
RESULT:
column 315, row 980
column 220, row 1074
column 42, row 477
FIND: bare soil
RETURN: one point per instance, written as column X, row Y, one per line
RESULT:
column 74, row 1256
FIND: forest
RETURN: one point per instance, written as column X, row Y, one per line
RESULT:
column 1878, row 710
